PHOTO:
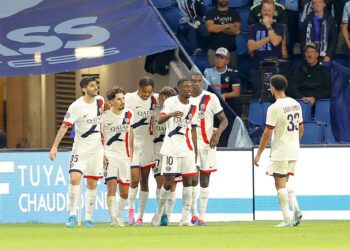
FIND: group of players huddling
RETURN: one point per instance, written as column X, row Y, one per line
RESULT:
column 171, row 133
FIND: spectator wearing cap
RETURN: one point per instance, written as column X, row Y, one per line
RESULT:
column 320, row 27
column 224, row 24
column 264, row 40
column 313, row 80
column 279, row 16
column 224, row 80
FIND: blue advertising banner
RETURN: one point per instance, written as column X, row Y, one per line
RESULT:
column 48, row 36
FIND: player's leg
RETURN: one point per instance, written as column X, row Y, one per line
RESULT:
column 297, row 214
column 143, row 197
column 194, row 205
column 73, row 195
column 282, row 194
column 123, row 199
column 203, row 196
column 111, row 199
column 170, row 203
column 90, row 200
column 135, row 177
column 163, row 197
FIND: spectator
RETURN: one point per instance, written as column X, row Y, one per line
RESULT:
column 345, row 28
column 264, row 40
column 224, row 24
column 2, row 139
column 308, row 8
column 283, row 2
column 320, row 27
column 192, row 26
column 313, row 80
column 224, row 79
column 279, row 16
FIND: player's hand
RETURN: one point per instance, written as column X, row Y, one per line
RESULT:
column 53, row 153
column 214, row 141
column 176, row 114
column 256, row 160
column 105, row 162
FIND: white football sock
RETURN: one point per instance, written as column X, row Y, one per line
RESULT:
column 111, row 202
column 293, row 199
column 170, row 203
column 282, row 195
column 157, row 195
column 203, row 201
column 143, row 198
column 132, row 197
column 186, row 204
column 73, row 194
column 121, row 206
column 163, row 197
column 194, row 200
column 90, row 200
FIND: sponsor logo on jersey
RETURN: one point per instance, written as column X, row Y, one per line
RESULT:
column 227, row 79
column 67, row 115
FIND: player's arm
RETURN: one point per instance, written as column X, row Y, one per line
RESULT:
column 131, row 142
column 263, row 143
column 194, row 139
column 301, row 131
column 61, row 132
column 214, row 141
column 164, row 117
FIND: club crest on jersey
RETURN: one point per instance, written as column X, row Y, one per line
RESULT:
column 154, row 106
column 67, row 115
column 190, row 116
column 126, row 120
column 100, row 110
column 168, row 168
column 203, row 106
column 227, row 79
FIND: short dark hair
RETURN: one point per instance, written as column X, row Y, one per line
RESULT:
column 146, row 81
column 86, row 80
column 195, row 74
column 113, row 91
column 279, row 82
column 181, row 81
column 167, row 91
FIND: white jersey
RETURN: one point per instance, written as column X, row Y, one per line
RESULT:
column 88, row 123
column 116, row 132
column 158, row 131
column 208, row 106
column 284, row 116
column 178, row 135
column 143, row 115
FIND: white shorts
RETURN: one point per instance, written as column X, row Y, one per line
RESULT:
column 176, row 166
column 206, row 160
column 91, row 167
column 142, row 158
column 157, row 169
column 118, row 169
column 281, row 168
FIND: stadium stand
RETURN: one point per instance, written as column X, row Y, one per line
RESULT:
column 306, row 107
column 313, row 133
column 255, row 117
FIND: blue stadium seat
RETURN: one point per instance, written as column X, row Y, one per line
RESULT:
column 172, row 16
column 322, row 111
column 242, row 44
column 163, row 3
column 208, row 3
column 243, row 13
column 244, row 65
column 313, row 133
column 201, row 61
column 306, row 107
column 329, row 135
column 342, row 59
column 238, row 3
column 265, row 106
column 255, row 116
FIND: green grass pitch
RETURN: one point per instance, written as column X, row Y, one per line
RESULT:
column 216, row 236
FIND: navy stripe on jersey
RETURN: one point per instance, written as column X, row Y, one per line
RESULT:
column 176, row 131
column 90, row 132
column 190, row 113
column 153, row 103
column 159, row 139
column 113, row 139
column 201, row 102
column 140, row 123
column 98, row 101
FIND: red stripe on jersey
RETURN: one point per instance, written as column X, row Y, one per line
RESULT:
column 188, row 140
column 162, row 113
column 103, row 143
column 127, row 143
column 271, row 127
column 150, row 126
column 68, row 123
column 301, row 123
column 289, row 173
column 190, row 174
column 193, row 112
column 148, row 166
column 204, row 133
